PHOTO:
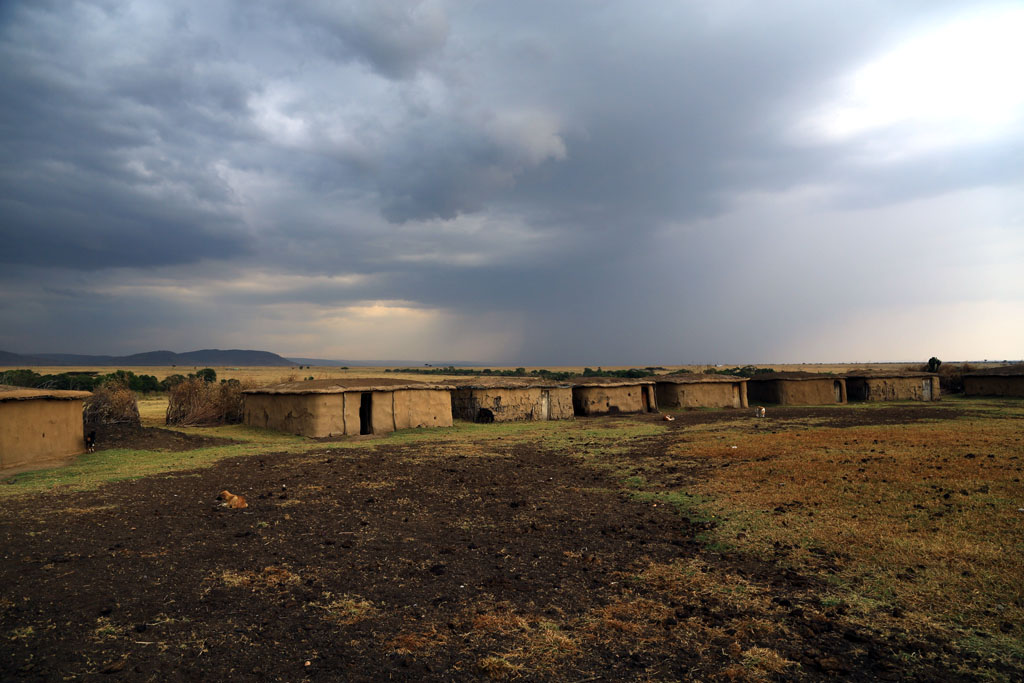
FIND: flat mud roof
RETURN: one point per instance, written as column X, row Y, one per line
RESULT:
column 608, row 381
column 508, row 383
column 1001, row 371
column 795, row 375
column 340, row 386
column 697, row 379
column 9, row 393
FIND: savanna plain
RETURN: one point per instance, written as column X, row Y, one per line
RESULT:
column 877, row 541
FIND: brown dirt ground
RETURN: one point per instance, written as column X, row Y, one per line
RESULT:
column 393, row 563
column 149, row 438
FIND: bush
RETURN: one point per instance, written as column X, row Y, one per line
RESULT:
column 143, row 383
column 951, row 377
column 77, row 381
column 195, row 402
column 111, row 403
column 207, row 374
column 171, row 381
column 745, row 371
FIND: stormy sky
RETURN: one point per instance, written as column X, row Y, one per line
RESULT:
column 587, row 182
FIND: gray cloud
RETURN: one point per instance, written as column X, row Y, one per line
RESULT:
column 582, row 170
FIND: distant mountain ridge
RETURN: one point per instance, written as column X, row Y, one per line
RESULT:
column 206, row 357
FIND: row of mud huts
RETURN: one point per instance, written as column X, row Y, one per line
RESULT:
column 320, row 408
column 42, row 426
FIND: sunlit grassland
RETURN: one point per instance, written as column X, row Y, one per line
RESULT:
column 915, row 526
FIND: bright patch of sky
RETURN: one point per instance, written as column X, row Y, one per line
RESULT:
column 954, row 84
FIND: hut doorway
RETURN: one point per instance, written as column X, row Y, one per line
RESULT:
column 926, row 388
column 366, row 413
column 545, row 405
column 648, row 399
column 837, row 388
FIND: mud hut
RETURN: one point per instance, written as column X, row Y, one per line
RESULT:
column 39, row 427
column 869, row 385
column 700, row 391
column 511, row 399
column 1007, row 380
column 334, row 407
column 796, row 389
column 608, row 395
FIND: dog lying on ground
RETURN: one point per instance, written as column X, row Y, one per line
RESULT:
column 232, row 501
column 90, row 442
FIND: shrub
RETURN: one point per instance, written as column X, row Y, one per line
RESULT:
column 194, row 402
column 171, row 381
column 111, row 403
column 207, row 375
column 951, row 377
column 143, row 383
column 933, row 364
column 78, row 381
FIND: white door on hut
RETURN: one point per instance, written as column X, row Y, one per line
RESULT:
column 926, row 388
column 545, row 404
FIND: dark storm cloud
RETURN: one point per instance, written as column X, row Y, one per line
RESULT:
column 393, row 38
column 585, row 168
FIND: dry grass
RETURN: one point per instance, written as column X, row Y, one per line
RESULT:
column 263, row 376
column 343, row 610
column 270, row 578
column 195, row 402
column 917, row 516
column 525, row 642
column 419, row 643
column 111, row 403
column 913, row 526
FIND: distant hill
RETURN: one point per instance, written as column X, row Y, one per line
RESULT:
column 205, row 357
column 8, row 358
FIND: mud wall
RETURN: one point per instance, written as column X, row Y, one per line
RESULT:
column 601, row 400
column 421, row 408
column 706, row 395
column 304, row 414
column 320, row 415
column 807, row 392
column 350, row 412
column 892, row 388
column 513, row 404
column 39, row 431
column 994, row 386
column 402, row 409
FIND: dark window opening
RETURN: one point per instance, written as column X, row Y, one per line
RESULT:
column 484, row 416
column 366, row 413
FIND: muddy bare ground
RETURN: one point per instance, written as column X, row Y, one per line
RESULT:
column 394, row 564
column 149, row 438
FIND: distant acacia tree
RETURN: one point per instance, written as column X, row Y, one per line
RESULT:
column 207, row 375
